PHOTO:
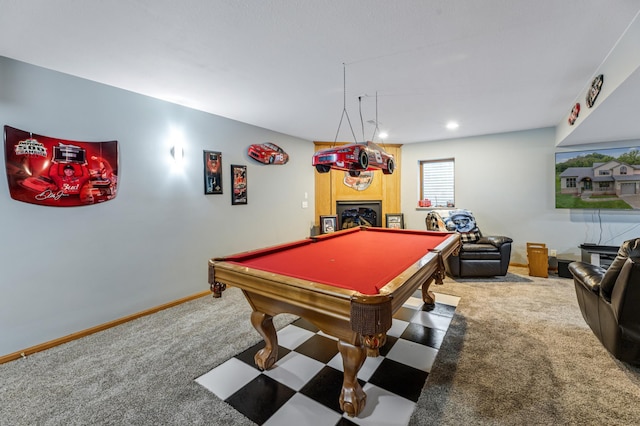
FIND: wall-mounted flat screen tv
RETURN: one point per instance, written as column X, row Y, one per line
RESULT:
column 598, row 179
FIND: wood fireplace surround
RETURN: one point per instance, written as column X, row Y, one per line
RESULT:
column 331, row 190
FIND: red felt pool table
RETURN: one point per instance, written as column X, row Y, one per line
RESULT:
column 348, row 283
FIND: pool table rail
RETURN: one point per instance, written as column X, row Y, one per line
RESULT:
column 274, row 294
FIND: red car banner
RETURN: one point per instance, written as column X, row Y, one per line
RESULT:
column 60, row 173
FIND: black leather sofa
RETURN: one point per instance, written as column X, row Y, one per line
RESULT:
column 610, row 301
column 479, row 256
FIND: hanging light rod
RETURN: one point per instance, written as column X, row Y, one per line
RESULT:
column 376, row 130
column 344, row 107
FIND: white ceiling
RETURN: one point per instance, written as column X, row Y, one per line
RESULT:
column 492, row 65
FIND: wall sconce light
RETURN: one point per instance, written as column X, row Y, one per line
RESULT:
column 177, row 152
column 176, row 141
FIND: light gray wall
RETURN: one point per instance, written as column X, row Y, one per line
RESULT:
column 508, row 181
column 67, row 269
column 63, row 270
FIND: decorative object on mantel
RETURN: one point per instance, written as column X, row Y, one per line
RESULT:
column 395, row 220
column 359, row 183
column 59, row 173
column 328, row 224
column 575, row 111
column 594, row 90
column 268, row 153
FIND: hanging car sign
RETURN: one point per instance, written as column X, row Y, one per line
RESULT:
column 354, row 159
column 594, row 90
column 268, row 153
column 575, row 111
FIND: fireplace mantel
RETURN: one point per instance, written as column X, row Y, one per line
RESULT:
column 330, row 187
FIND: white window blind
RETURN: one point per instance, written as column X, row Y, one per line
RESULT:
column 437, row 182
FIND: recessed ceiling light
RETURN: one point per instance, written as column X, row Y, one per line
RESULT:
column 383, row 135
column 452, row 125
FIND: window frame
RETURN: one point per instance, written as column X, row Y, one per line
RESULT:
column 424, row 194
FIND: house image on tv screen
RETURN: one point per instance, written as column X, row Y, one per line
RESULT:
column 598, row 179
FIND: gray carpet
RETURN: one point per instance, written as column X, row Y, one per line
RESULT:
column 517, row 352
column 139, row 373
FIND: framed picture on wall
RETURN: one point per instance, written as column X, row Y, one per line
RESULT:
column 395, row 220
column 328, row 224
column 239, row 187
column 212, row 172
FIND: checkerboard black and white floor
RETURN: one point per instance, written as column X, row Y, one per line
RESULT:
column 304, row 385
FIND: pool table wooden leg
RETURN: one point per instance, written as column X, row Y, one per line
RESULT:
column 267, row 356
column 352, row 397
column 427, row 295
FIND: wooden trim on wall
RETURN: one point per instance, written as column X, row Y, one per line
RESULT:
column 74, row 336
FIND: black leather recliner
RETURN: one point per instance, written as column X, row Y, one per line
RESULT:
column 487, row 257
column 479, row 256
column 609, row 300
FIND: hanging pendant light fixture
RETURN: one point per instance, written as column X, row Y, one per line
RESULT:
column 353, row 158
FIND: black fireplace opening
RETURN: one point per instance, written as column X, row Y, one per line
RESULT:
column 359, row 213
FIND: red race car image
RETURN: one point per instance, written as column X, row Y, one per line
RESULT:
column 54, row 172
column 268, row 153
column 38, row 183
column 354, row 158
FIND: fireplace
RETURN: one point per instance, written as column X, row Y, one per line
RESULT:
column 356, row 213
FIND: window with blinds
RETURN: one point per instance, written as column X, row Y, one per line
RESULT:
column 437, row 182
